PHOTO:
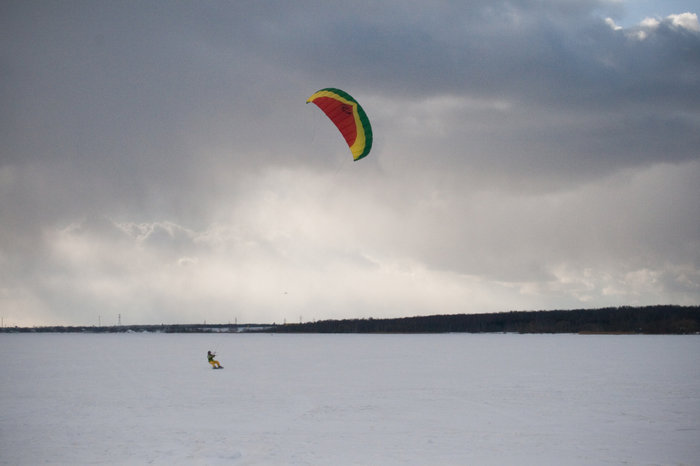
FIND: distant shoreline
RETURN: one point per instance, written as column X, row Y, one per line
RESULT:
column 626, row 320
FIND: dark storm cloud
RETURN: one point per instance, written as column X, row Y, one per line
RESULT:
column 584, row 96
column 139, row 84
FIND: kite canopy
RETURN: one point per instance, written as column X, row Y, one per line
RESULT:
column 348, row 117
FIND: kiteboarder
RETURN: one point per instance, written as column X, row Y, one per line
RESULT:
column 214, row 363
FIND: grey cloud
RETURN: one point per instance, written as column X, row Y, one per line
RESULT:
column 517, row 145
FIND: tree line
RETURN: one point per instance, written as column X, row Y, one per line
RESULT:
column 667, row 319
column 663, row 319
column 159, row 328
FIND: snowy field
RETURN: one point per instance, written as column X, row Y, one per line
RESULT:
column 456, row 399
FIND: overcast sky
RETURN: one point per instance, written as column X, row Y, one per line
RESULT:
column 158, row 160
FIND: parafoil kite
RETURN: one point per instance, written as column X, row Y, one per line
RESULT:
column 348, row 117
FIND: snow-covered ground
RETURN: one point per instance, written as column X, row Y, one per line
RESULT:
column 349, row 399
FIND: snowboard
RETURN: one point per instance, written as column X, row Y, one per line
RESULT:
column 220, row 367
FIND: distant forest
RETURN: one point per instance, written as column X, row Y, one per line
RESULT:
column 667, row 319
column 650, row 320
